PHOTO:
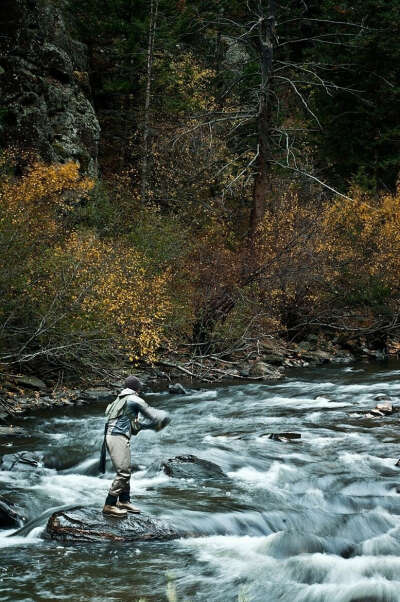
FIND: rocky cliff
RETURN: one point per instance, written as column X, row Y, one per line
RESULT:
column 45, row 94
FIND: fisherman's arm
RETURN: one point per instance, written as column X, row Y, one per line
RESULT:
column 158, row 419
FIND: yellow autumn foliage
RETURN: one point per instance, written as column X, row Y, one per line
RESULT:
column 336, row 261
column 114, row 293
column 69, row 282
column 361, row 236
column 36, row 200
column 340, row 257
column 62, row 284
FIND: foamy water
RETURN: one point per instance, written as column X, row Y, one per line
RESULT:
column 311, row 520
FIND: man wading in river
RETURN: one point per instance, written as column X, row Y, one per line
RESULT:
column 122, row 422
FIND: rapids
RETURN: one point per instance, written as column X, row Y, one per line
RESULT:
column 311, row 520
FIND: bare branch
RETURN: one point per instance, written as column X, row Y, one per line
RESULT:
column 303, row 100
column 312, row 177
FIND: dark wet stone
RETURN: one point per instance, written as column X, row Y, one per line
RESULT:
column 32, row 382
column 81, row 402
column 263, row 370
column 177, row 389
column 319, row 356
column 10, row 517
column 382, row 397
column 284, row 436
column 187, row 467
column 275, row 359
column 21, row 461
column 90, row 525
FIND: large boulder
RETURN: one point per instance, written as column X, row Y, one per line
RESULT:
column 187, row 467
column 21, row 461
column 90, row 525
column 32, row 382
column 45, row 101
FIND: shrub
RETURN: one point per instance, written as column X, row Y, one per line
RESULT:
column 66, row 292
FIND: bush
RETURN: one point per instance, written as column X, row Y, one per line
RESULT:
column 66, row 292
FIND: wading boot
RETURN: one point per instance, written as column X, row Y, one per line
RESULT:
column 128, row 507
column 115, row 511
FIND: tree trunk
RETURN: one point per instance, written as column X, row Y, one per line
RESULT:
column 262, row 181
column 218, row 308
column 147, row 103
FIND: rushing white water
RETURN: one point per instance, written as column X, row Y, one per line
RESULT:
column 311, row 520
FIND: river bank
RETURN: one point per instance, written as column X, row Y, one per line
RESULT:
column 266, row 361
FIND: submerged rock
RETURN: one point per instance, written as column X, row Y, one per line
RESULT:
column 9, row 515
column 284, row 436
column 382, row 397
column 90, row 525
column 187, row 467
column 13, row 431
column 177, row 389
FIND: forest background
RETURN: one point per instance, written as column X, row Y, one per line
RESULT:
column 245, row 190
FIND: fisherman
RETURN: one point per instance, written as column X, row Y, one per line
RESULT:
column 122, row 422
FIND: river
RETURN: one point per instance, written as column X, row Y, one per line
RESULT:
column 312, row 520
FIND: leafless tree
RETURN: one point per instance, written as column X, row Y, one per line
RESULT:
column 267, row 31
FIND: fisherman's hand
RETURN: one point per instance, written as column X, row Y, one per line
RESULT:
column 136, row 427
column 162, row 423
